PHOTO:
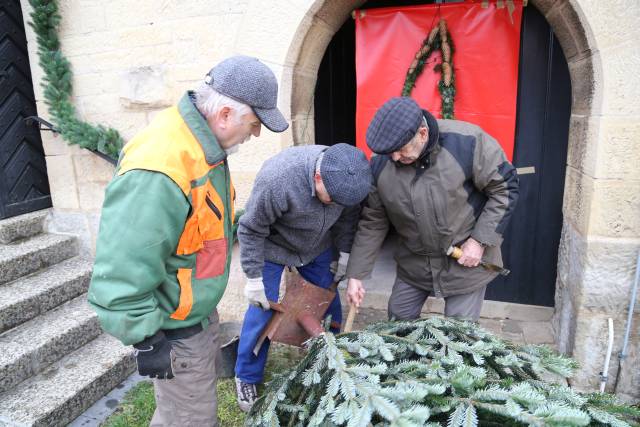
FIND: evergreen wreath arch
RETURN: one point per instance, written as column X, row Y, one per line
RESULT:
column 57, row 85
column 438, row 39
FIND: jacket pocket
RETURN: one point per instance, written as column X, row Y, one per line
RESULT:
column 440, row 211
column 211, row 260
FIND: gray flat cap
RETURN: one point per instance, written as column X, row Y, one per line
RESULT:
column 346, row 174
column 249, row 81
column 393, row 125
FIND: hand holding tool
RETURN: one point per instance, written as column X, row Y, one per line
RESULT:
column 455, row 253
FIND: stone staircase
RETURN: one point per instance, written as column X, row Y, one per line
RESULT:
column 55, row 361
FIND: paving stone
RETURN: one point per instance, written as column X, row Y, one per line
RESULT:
column 538, row 333
column 511, row 326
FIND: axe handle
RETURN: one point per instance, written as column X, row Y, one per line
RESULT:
column 350, row 318
column 455, row 253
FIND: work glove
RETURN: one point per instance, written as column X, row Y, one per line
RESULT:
column 339, row 268
column 153, row 357
column 254, row 292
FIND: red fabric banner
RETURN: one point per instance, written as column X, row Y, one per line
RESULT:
column 486, row 42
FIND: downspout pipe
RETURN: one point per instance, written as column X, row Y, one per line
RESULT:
column 623, row 354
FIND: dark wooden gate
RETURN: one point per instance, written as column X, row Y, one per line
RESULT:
column 530, row 248
column 24, row 186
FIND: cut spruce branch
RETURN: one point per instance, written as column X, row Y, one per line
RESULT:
column 431, row 372
column 57, row 85
column 438, row 39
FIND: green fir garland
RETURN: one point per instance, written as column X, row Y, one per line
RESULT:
column 57, row 86
column 431, row 372
column 438, row 39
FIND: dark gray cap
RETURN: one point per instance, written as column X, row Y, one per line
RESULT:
column 346, row 174
column 249, row 81
column 393, row 125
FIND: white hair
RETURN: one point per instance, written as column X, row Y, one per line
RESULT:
column 209, row 101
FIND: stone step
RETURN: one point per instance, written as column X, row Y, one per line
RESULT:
column 22, row 226
column 67, row 388
column 27, row 256
column 27, row 297
column 29, row 348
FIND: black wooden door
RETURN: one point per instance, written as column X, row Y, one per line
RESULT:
column 24, row 186
column 530, row 249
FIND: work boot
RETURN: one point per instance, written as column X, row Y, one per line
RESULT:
column 246, row 393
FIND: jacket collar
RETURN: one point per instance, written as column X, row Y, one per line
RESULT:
column 196, row 122
column 434, row 138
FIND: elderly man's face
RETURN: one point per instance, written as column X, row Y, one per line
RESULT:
column 231, row 130
column 411, row 151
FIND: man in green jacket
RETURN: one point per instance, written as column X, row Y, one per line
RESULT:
column 164, row 246
column 439, row 183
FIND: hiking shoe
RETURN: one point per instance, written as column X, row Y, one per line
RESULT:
column 247, row 395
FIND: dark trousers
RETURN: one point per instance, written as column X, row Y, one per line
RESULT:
column 406, row 301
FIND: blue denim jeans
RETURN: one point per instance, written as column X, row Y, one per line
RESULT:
column 249, row 367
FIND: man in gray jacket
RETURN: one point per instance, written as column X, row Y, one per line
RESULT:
column 439, row 183
column 305, row 201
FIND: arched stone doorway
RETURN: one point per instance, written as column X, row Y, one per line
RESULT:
column 601, row 227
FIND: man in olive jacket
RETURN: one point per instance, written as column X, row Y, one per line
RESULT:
column 439, row 183
column 164, row 247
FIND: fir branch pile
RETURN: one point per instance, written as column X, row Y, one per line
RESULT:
column 57, row 86
column 438, row 39
column 431, row 372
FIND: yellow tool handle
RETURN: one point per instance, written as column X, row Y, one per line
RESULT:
column 348, row 325
column 454, row 252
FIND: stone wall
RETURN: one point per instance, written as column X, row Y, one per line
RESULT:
column 131, row 58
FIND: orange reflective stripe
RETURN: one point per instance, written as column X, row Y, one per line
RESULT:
column 186, row 295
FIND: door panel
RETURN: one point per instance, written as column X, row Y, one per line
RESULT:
column 24, row 186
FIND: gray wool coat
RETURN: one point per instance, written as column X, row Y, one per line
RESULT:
column 284, row 222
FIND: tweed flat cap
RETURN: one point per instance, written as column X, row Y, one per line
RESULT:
column 249, row 81
column 346, row 174
column 393, row 125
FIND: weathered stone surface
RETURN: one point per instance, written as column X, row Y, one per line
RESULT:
column 92, row 168
column 618, row 148
column 30, row 347
column 586, row 84
column 609, row 272
column 64, row 390
column 590, row 351
column 538, row 333
column 612, row 22
column 621, row 95
column 91, row 195
column 70, row 222
column 544, row 6
column 583, row 143
column 144, row 87
column 62, row 182
column 303, row 128
column 22, row 226
column 571, row 29
column 28, row 297
column 313, row 46
column 302, row 95
column 615, row 208
column 21, row 258
column 335, row 12
column 578, row 197
column 268, row 32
